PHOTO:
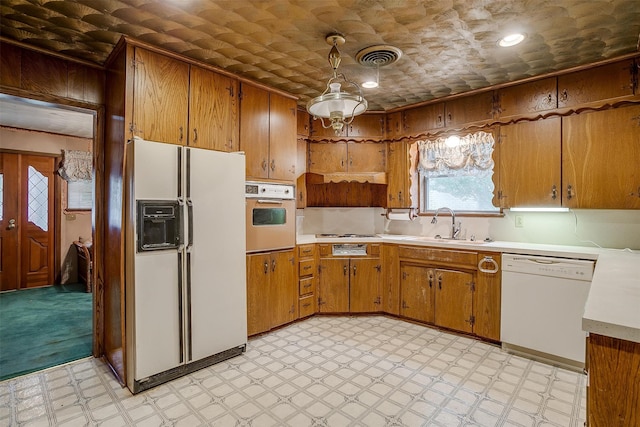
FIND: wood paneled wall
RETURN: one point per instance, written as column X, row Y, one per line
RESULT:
column 26, row 72
column 35, row 75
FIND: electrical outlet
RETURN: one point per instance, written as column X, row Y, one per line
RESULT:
column 519, row 221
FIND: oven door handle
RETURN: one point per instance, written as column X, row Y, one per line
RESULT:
column 270, row 201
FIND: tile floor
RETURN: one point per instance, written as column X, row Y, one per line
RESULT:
column 324, row 371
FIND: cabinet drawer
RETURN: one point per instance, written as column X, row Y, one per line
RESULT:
column 307, row 286
column 307, row 306
column 373, row 250
column 306, row 251
column 306, row 267
column 325, row 250
column 462, row 258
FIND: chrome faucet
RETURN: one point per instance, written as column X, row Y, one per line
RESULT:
column 455, row 230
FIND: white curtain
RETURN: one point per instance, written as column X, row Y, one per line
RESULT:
column 76, row 165
column 470, row 156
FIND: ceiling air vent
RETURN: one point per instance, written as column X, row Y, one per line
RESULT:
column 378, row 56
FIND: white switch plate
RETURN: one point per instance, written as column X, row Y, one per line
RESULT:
column 519, row 221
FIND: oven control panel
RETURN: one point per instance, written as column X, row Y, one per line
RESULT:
column 268, row 190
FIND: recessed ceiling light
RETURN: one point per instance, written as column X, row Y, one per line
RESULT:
column 370, row 84
column 511, row 40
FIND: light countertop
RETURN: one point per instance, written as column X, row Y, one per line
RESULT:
column 613, row 304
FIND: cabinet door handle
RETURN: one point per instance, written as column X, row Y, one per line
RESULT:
column 554, row 192
column 273, row 265
column 181, row 133
column 564, row 95
column 440, row 282
column 264, row 165
column 195, row 135
column 273, row 165
column 570, row 194
column 344, row 269
column 266, row 267
column 354, row 270
column 430, row 281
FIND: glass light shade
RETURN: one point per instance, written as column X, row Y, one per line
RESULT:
column 324, row 105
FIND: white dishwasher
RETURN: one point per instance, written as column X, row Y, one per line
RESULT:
column 543, row 301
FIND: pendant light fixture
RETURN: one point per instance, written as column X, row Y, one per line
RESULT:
column 335, row 103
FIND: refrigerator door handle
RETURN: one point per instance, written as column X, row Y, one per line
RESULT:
column 188, row 307
column 188, row 174
column 190, row 219
column 179, row 173
column 180, row 300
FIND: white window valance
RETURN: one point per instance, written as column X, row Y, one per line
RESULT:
column 76, row 165
column 470, row 155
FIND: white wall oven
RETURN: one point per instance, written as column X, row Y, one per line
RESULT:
column 271, row 216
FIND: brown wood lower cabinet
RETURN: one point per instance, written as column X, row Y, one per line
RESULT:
column 454, row 289
column 454, row 296
column 439, row 296
column 416, row 292
column 613, row 389
column 446, row 288
column 307, row 280
column 350, row 284
column 272, row 291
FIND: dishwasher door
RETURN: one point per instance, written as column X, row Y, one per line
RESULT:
column 543, row 301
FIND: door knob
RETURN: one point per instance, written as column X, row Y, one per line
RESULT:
column 12, row 224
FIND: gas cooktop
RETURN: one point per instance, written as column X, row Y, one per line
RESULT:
column 346, row 235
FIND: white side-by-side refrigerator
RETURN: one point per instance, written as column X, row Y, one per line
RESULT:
column 185, row 306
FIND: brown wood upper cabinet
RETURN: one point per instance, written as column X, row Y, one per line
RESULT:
column 178, row 103
column 160, row 98
column 422, row 119
column 528, row 98
column 394, row 125
column 370, row 126
column 303, row 124
column 609, row 82
column 530, row 165
column 268, row 134
column 600, row 158
column 401, row 174
column 213, row 110
column 469, row 109
column 367, row 126
column 342, row 157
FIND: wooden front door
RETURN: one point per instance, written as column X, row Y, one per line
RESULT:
column 26, row 221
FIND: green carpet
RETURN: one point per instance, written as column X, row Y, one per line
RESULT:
column 44, row 327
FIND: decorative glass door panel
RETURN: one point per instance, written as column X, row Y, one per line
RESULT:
column 26, row 221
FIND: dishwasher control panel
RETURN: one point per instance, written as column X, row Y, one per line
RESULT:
column 576, row 269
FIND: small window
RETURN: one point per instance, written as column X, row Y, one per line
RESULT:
column 456, row 172
column 79, row 195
